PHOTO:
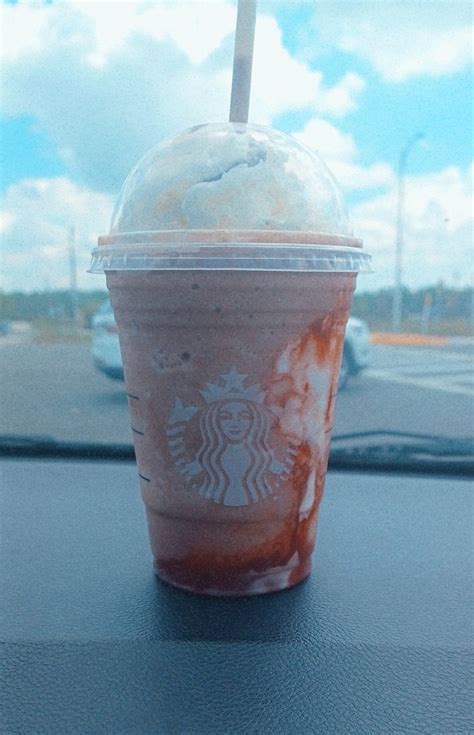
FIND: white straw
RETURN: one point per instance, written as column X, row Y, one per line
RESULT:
column 243, row 56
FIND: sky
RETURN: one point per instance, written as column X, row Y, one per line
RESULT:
column 88, row 88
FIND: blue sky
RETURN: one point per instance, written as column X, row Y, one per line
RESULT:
column 88, row 88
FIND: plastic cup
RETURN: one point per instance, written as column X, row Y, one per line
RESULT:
column 231, row 343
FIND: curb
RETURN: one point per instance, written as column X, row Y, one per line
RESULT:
column 408, row 340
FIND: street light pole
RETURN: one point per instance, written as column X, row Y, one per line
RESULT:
column 73, row 274
column 397, row 294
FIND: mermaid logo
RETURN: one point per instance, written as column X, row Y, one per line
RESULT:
column 234, row 463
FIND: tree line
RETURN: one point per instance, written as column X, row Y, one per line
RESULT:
column 58, row 305
column 439, row 302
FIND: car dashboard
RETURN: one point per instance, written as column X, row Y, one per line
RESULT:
column 378, row 639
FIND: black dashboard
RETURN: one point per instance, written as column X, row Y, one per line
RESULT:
column 378, row 639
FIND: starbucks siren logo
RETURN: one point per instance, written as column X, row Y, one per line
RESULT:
column 235, row 463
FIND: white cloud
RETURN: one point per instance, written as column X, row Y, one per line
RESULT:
column 327, row 140
column 280, row 82
column 353, row 176
column 23, row 27
column 196, row 28
column 6, row 221
column 37, row 214
column 401, row 40
column 104, row 119
column 342, row 98
column 106, row 81
column 438, row 230
column 339, row 151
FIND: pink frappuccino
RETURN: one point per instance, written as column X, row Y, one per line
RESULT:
column 231, row 292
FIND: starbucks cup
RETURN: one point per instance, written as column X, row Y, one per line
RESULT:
column 231, row 268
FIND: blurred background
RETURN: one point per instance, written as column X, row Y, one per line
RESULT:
column 380, row 89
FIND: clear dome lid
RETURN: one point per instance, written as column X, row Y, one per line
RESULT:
column 231, row 176
column 230, row 196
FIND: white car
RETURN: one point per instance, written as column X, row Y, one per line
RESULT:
column 356, row 350
column 107, row 357
column 105, row 342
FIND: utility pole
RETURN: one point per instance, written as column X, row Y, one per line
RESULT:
column 397, row 293
column 472, row 303
column 73, row 275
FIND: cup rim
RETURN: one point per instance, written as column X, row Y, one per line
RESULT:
column 221, row 236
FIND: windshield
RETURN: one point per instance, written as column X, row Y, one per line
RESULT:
column 381, row 90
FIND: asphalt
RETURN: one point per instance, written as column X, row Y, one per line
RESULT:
column 54, row 390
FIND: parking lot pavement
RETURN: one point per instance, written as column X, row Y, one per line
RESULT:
column 449, row 369
column 54, row 390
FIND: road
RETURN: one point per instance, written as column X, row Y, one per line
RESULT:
column 54, row 390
